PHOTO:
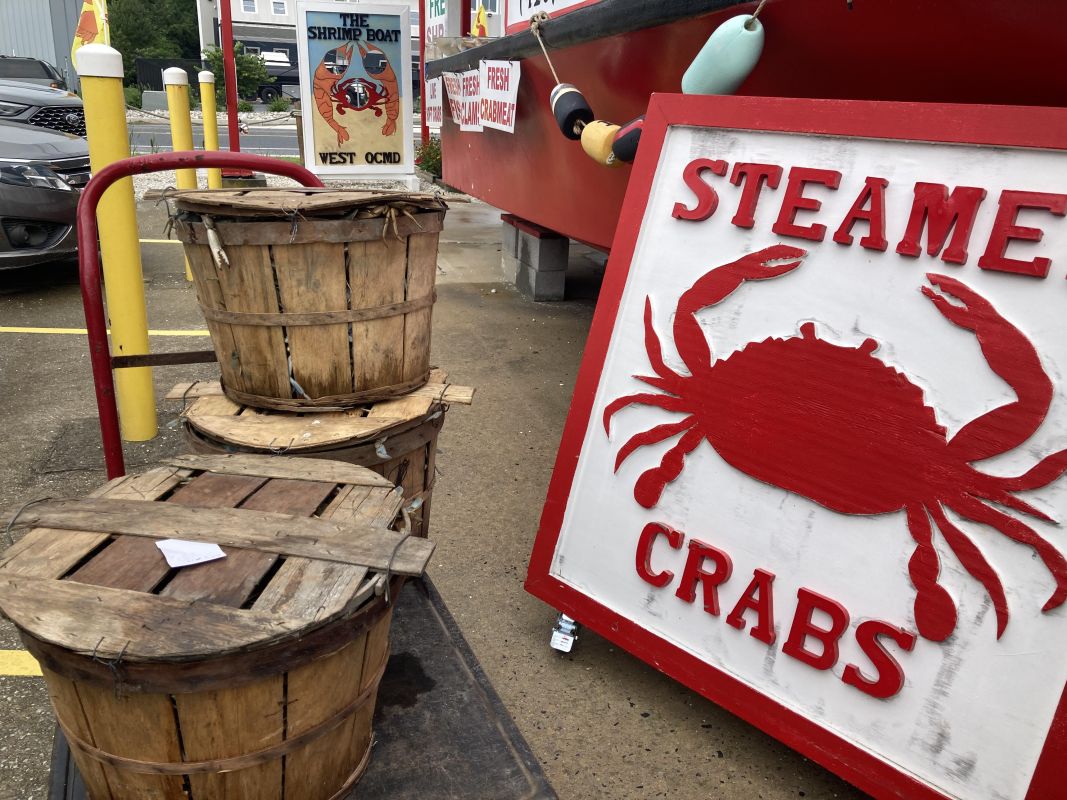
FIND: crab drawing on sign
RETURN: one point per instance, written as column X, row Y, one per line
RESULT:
column 786, row 411
column 328, row 74
column 377, row 65
column 332, row 94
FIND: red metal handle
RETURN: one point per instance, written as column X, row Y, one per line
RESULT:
column 89, row 265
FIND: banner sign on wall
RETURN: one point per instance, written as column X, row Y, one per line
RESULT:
column 464, row 98
column 453, row 83
column 439, row 22
column 814, row 463
column 435, row 111
column 355, row 88
column 520, row 12
column 499, row 82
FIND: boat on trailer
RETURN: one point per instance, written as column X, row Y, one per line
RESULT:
column 619, row 52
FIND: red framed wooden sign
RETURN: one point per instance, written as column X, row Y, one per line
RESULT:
column 813, row 467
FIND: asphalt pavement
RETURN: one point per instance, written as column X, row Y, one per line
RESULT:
column 264, row 140
column 602, row 723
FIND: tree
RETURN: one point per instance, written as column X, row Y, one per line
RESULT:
column 156, row 29
column 251, row 72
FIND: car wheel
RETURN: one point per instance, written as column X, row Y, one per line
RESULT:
column 269, row 95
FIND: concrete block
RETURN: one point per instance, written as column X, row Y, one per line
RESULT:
column 545, row 253
column 509, row 239
column 540, row 285
column 510, row 267
column 153, row 101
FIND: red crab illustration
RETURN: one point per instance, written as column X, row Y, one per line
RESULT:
column 359, row 94
column 840, row 427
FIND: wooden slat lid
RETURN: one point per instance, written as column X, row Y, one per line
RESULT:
column 213, row 414
column 308, row 543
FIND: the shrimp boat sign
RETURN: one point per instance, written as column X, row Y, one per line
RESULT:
column 814, row 463
column 355, row 89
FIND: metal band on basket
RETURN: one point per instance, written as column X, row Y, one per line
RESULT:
column 291, row 319
column 233, row 763
column 336, row 402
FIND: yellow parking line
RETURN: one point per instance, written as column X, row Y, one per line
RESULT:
column 159, row 241
column 18, row 662
column 83, row 332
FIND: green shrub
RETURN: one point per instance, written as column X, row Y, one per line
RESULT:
column 133, row 96
column 244, row 105
column 280, row 103
column 251, row 72
column 428, row 156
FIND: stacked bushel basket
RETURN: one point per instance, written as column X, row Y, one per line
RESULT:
column 254, row 676
column 319, row 305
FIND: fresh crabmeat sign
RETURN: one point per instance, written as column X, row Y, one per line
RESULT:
column 814, row 463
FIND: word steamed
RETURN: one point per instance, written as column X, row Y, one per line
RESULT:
column 947, row 215
column 818, row 623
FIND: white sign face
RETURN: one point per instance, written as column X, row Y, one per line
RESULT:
column 355, row 88
column 521, row 11
column 499, row 82
column 434, row 100
column 816, row 450
column 464, row 98
column 453, row 84
column 439, row 23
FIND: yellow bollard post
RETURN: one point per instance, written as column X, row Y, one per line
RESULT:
column 211, row 124
column 100, row 71
column 176, row 82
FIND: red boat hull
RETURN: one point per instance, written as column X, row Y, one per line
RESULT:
column 958, row 51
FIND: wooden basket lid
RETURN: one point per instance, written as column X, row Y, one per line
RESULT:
column 308, row 543
column 303, row 202
column 214, row 415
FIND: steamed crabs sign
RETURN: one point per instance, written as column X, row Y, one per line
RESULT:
column 813, row 467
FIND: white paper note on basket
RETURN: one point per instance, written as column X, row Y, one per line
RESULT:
column 180, row 553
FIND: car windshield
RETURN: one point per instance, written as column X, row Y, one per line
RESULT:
column 12, row 68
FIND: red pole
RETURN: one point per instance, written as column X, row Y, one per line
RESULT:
column 230, row 68
column 422, row 70
column 465, row 17
column 89, row 265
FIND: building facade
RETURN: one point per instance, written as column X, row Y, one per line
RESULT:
column 267, row 26
column 41, row 29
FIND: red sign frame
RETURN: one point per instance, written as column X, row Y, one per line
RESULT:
column 1009, row 126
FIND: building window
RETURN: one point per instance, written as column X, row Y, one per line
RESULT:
column 252, row 51
column 248, row 6
column 278, row 8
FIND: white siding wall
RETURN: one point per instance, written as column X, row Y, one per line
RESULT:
column 26, row 29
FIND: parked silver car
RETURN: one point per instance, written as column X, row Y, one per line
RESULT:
column 41, row 176
column 30, row 70
column 42, row 106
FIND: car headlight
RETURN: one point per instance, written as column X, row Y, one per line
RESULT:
column 35, row 175
column 11, row 109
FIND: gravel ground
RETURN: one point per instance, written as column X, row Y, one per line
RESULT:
column 248, row 117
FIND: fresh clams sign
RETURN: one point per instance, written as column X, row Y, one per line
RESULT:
column 814, row 463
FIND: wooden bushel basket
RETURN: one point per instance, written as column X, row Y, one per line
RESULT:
column 395, row 438
column 253, row 677
column 314, row 299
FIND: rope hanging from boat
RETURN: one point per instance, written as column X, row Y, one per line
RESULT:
column 539, row 19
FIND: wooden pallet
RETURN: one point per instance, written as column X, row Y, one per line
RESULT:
column 217, row 679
